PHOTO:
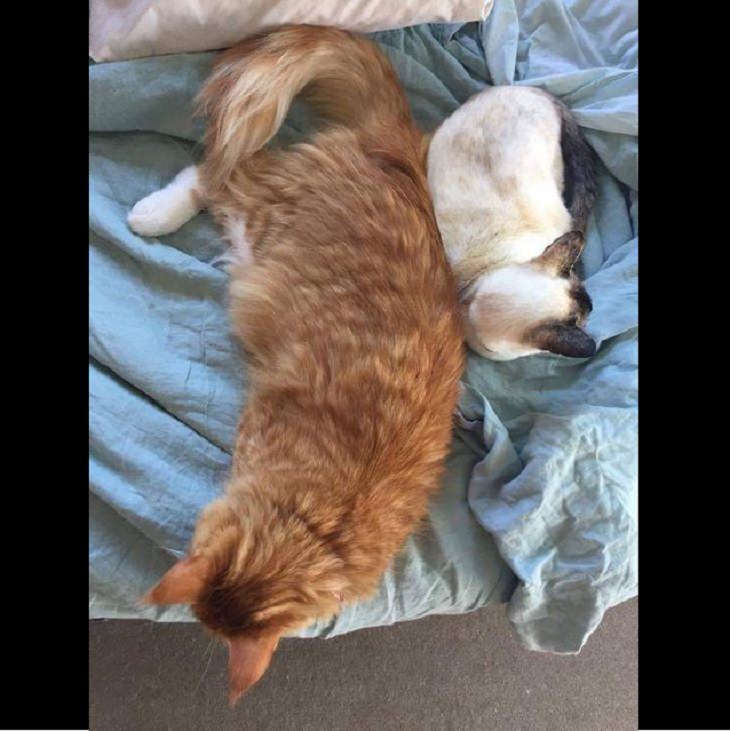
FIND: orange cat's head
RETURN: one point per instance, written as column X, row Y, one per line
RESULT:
column 256, row 571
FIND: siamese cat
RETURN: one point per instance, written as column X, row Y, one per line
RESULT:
column 513, row 181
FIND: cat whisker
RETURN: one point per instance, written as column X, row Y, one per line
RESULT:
column 208, row 651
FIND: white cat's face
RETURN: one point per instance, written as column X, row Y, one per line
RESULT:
column 507, row 304
column 521, row 309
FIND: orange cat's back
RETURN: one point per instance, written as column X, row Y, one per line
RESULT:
column 351, row 320
column 343, row 299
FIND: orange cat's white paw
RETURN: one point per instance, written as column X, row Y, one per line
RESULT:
column 167, row 210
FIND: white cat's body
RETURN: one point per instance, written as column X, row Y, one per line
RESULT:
column 495, row 170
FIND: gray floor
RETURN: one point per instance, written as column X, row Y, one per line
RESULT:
column 452, row 673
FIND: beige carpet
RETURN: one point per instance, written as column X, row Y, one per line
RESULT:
column 442, row 673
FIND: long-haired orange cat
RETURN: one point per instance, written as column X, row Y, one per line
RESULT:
column 343, row 299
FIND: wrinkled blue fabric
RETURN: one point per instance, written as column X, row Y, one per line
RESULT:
column 541, row 482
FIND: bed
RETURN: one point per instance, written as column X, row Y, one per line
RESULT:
column 538, row 506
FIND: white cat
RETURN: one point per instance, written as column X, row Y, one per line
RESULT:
column 513, row 181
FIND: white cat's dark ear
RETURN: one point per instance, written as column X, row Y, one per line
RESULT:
column 562, row 255
column 568, row 340
column 182, row 584
column 248, row 660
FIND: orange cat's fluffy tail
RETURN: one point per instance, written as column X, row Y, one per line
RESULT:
column 346, row 79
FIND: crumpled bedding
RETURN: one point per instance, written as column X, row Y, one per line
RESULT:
column 538, row 504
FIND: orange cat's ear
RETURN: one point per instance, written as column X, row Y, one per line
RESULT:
column 182, row 584
column 248, row 659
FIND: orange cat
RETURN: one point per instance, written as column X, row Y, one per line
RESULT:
column 343, row 299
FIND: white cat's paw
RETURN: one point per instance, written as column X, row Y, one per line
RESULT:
column 162, row 212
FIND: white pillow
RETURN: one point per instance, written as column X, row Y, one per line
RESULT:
column 121, row 29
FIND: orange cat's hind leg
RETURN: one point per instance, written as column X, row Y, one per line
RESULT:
column 168, row 209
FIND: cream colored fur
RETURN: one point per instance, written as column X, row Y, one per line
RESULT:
column 166, row 210
column 495, row 171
